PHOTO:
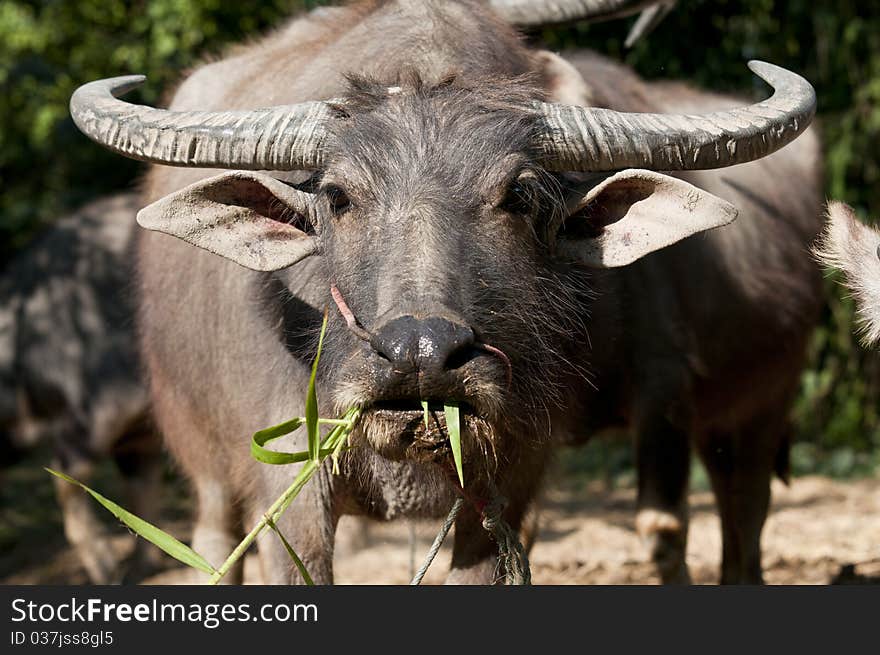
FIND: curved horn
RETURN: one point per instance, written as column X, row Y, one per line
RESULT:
column 592, row 139
column 533, row 13
column 287, row 137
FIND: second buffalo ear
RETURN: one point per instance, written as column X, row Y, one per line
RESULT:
column 634, row 213
column 250, row 218
column 563, row 82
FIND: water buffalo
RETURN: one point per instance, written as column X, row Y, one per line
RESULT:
column 69, row 367
column 854, row 248
column 477, row 241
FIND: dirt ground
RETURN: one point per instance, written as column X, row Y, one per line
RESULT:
column 820, row 531
column 817, row 527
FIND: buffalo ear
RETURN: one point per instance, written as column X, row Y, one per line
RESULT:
column 563, row 82
column 635, row 212
column 250, row 218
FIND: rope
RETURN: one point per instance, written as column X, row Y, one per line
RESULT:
column 438, row 541
column 511, row 554
column 350, row 319
column 412, row 548
column 489, row 348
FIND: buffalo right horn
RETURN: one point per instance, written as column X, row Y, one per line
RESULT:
column 283, row 138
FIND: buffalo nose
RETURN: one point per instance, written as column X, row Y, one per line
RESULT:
column 431, row 345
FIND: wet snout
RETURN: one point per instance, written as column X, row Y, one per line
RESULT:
column 434, row 359
column 425, row 354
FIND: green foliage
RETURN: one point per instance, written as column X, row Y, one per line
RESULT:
column 47, row 167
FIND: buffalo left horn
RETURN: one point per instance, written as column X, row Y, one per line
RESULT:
column 283, row 138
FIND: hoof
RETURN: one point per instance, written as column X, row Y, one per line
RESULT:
column 99, row 558
column 665, row 536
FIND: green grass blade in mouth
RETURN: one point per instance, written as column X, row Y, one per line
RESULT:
column 262, row 437
column 312, row 401
column 427, row 417
column 453, row 429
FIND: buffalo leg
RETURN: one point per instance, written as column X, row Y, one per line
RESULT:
column 141, row 467
column 740, row 464
column 217, row 525
column 82, row 528
column 215, row 534
column 663, row 461
column 308, row 526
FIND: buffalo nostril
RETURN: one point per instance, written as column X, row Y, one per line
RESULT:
column 396, row 341
column 461, row 356
column 379, row 349
column 444, row 345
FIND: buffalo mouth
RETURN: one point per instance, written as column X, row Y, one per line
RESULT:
column 396, row 429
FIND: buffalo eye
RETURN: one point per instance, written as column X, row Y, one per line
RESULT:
column 521, row 198
column 337, row 199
